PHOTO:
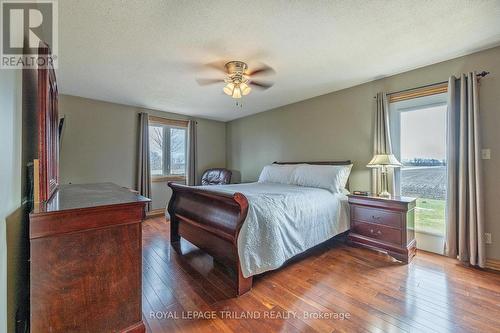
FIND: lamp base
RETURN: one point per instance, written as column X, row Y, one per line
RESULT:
column 384, row 194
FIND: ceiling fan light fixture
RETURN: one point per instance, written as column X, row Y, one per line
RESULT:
column 245, row 89
column 237, row 92
column 229, row 88
column 239, row 80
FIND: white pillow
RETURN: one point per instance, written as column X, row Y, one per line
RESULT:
column 277, row 173
column 330, row 177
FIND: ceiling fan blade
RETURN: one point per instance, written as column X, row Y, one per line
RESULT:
column 261, row 85
column 204, row 82
column 218, row 65
column 265, row 69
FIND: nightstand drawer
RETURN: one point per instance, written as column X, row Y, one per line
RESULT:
column 377, row 231
column 378, row 216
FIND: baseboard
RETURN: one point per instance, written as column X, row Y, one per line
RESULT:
column 493, row 264
column 156, row 213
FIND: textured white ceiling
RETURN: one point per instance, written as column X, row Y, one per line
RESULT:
column 145, row 53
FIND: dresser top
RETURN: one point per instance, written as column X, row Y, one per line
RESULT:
column 69, row 197
column 394, row 203
column 400, row 199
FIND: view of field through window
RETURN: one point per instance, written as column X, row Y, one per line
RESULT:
column 423, row 175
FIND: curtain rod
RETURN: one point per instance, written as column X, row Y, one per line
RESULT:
column 480, row 75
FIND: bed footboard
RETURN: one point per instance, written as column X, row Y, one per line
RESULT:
column 211, row 221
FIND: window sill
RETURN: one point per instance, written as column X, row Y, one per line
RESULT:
column 158, row 179
column 430, row 233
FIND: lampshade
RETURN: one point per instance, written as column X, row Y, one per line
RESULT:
column 228, row 89
column 387, row 160
column 237, row 92
column 245, row 89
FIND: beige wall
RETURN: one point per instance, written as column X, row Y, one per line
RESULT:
column 339, row 126
column 10, row 194
column 99, row 144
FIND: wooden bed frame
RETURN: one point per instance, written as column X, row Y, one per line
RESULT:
column 212, row 221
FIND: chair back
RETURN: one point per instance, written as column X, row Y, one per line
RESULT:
column 216, row 176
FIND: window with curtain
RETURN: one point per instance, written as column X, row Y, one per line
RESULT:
column 418, row 128
column 168, row 149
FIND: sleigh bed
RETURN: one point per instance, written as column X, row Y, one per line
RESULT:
column 216, row 219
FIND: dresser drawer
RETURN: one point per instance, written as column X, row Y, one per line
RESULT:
column 376, row 231
column 378, row 216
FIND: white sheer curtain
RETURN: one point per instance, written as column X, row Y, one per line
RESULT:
column 465, row 227
column 382, row 144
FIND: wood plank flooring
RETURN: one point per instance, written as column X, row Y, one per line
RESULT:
column 335, row 288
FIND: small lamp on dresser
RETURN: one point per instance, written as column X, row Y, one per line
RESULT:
column 384, row 161
column 382, row 222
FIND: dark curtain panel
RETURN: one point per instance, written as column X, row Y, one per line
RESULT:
column 465, row 218
column 382, row 143
column 143, row 169
column 192, row 154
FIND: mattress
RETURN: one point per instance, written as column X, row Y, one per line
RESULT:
column 283, row 221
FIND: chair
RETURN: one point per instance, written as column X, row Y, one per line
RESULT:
column 216, row 176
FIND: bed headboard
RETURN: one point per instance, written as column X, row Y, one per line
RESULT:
column 347, row 162
column 319, row 163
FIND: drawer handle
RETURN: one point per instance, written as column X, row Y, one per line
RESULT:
column 375, row 217
column 371, row 231
column 379, row 232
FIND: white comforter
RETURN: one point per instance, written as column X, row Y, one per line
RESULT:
column 284, row 220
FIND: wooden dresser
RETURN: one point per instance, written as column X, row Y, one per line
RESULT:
column 384, row 224
column 86, row 260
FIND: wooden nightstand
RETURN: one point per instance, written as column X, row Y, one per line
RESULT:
column 384, row 224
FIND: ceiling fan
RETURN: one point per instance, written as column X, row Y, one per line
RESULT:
column 239, row 79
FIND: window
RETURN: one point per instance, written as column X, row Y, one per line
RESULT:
column 418, row 129
column 167, row 148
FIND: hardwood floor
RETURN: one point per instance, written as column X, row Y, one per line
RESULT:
column 349, row 289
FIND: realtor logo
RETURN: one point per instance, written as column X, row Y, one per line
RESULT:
column 24, row 25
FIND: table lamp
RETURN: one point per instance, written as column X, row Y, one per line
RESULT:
column 384, row 161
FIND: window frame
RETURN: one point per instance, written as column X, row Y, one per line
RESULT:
column 166, row 125
column 408, row 105
column 395, row 111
